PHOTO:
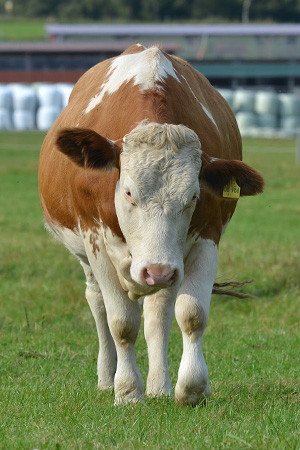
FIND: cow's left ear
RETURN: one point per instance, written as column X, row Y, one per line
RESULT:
column 88, row 149
column 219, row 173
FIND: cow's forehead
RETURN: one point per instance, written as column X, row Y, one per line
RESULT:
column 164, row 159
column 154, row 145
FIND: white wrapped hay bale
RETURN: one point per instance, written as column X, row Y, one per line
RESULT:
column 290, row 125
column 246, row 121
column 243, row 101
column 49, row 95
column 289, row 105
column 65, row 91
column 228, row 94
column 5, row 119
column 267, row 121
column 5, row 97
column 266, row 103
column 24, row 120
column 24, row 106
column 24, row 98
column 46, row 116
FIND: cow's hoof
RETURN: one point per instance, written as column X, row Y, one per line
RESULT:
column 130, row 390
column 158, row 389
column 108, row 386
column 191, row 395
column 105, row 380
column 129, row 398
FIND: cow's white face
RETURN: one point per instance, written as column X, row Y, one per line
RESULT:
column 155, row 199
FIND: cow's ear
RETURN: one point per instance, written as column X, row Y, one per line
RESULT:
column 87, row 148
column 222, row 175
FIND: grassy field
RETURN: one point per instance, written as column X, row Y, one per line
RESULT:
column 48, row 342
column 22, row 30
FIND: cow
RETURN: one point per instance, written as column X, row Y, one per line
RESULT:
column 138, row 178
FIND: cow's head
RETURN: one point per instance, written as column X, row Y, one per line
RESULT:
column 161, row 167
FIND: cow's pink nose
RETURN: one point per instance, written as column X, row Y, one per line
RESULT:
column 159, row 274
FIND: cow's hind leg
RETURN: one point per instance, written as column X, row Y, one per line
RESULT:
column 107, row 357
column 191, row 310
column 158, row 316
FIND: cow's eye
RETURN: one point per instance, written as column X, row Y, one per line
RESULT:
column 129, row 197
column 194, row 199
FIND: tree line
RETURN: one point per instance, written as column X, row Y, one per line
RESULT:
column 158, row 10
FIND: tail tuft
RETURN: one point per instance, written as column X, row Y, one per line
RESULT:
column 228, row 288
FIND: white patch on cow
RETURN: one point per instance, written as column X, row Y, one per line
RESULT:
column 209, row 114
column 123, row 318
column 160, row 168
column 203, row 107
column 224, row 227
column 71, row 239
column 146, row 69
column 189, row 243
column 191, row 310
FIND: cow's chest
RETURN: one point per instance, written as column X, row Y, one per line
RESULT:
column 120, row 257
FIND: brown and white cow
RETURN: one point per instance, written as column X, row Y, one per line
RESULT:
column 131, row 181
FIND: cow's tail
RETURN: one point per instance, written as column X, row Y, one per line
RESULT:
column 229, row 288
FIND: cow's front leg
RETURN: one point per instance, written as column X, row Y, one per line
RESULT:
column 123, row 318
column 191, row 310
column 107, row 357
column 158, row 316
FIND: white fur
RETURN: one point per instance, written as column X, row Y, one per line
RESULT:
column 207, row 112
column 195, row 294
column 224, row 227
column 162, row 179
column 145, row 68
column 107, row 358
column 71, row 239
column 158, row 316
column 123, row 318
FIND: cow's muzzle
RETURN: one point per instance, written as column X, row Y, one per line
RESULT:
column 162, row 275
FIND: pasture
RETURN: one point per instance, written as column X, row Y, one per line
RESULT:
column 22, row 30
column 48, row 341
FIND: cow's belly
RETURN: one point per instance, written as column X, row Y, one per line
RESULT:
column 71, row 239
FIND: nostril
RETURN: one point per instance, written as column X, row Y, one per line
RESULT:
column 173, row 276
column 159, row 275
column 146, row 276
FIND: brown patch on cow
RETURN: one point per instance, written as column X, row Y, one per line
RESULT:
column 124, row 331
column 218, row 173
column 194, row 319
column 133, row 49
column 70, row 191
column 191, row 319
column 192, row 396
column 93, row 242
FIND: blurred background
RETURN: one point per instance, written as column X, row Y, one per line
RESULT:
column 248, row 49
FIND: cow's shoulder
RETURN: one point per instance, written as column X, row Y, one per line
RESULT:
column 135, row 48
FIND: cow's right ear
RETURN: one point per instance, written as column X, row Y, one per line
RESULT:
column 88, row 149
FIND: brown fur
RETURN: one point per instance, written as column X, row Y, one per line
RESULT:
column 70, row 190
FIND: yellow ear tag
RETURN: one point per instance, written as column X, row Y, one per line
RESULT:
column 232, row 189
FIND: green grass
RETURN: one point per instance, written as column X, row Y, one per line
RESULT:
column 48, row 342
column 22, row 30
